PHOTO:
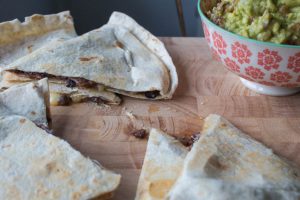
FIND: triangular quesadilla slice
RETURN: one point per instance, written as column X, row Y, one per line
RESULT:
column 38, row 165
column 226, row 164
column 162, row 165
column 120, row 57
column 29, row 100
column 20, row 39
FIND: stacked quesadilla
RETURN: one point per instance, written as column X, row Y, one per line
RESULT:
column 120, row 57
column 224, row 164
column 37, row 165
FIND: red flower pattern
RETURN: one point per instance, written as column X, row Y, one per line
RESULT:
column 269, row 59
column 215, row 54
column 266, row 83
column 298, row 80
column 254, row 72
column 206, row 32
column 241, row 52
column 231, row 65
column 246, row 77
column 294, row 62
column 281, row 77
column 219, row 43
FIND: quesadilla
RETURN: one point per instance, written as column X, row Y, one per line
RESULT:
column 30, row 100
column 120, row 57
column 162, row 165
column 20, row 39
column 38, row 165
column 227, row 164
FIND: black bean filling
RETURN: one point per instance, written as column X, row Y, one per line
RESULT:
column 152, row 94
column 140, row 134
column 71, row 83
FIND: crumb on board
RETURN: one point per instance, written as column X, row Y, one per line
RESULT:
column 128, row 113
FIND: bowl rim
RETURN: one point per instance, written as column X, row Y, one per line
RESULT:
column 242, row 37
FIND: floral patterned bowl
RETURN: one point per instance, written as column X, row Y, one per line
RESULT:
column 267, row 68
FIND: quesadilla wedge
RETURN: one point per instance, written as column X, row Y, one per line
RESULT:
column 226, row 164
column 20, row 39
column 30, row 100
column 162, row 165
column 38, row 165
column 120, row 57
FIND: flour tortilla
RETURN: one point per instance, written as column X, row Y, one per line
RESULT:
column 29, row 100
column 120, row 57
column 227, row 164
column 162, row 165
column 20, row 39
column 38, row 165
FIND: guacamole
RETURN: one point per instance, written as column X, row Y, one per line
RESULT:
column 276, row 21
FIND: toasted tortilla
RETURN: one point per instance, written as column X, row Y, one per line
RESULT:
column 38, row 165
column 20, row 39
column 162, row 165
column 120, row 57
column 30, row 100
column 228, row 164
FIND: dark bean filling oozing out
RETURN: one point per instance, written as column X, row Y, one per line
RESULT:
column 152, row 94
column 64, row 100
column 69, row 81
column 140, row 134
column 72, row 82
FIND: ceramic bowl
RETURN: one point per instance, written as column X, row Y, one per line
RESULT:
column 267, row 68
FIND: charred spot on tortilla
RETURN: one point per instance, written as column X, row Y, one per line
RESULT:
column 33, row 113
column 71, row 83
column 140, row 134
column 22, row 121
column 29, row 48
column 119, row 44
column 85, row 59
column 152, row 94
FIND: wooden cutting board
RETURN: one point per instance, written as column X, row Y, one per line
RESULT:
column 205, row 87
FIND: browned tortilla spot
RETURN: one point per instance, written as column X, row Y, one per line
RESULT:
column 87, row 58
column 119, row 44
column 29, row 48
column 214, row 161
column 37, row 17
column 22, row 121
column 223, row 125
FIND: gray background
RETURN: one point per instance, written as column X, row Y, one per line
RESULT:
column 158, row 16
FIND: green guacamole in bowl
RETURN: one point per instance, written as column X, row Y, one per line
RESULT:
column 276, row 21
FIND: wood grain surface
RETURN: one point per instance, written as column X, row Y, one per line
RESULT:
column 205, row 87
